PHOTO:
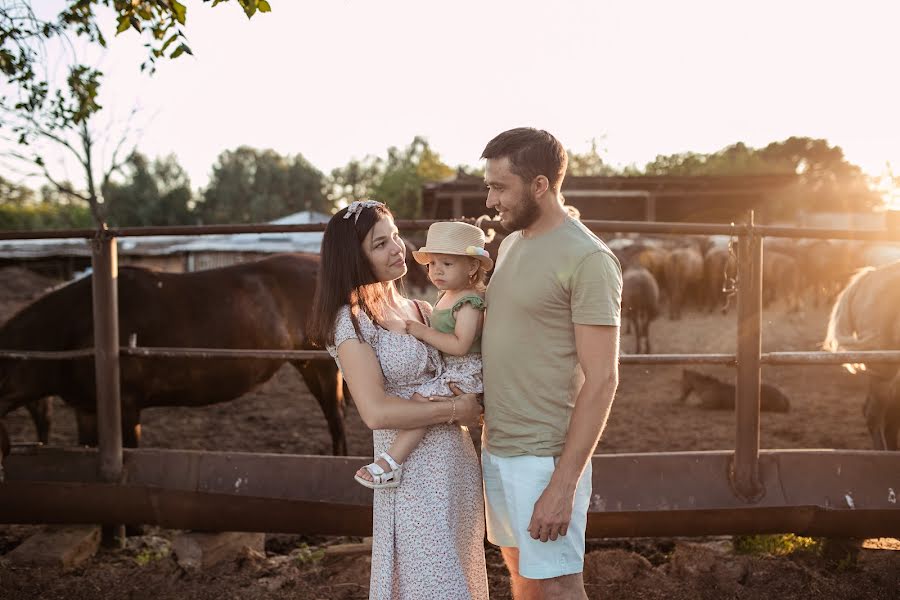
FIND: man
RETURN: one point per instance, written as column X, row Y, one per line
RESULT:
column 554, row 303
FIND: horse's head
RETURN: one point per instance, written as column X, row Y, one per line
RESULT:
column 688, row 379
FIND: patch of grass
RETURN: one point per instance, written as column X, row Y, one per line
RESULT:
column 149, row 555
column 304, row 554
column 778, row 544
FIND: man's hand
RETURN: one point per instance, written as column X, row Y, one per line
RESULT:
column 416, row 329
column 552, row 513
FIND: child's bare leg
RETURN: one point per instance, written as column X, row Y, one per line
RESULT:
column 405, row 442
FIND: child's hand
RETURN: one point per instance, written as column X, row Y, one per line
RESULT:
column 416, row 329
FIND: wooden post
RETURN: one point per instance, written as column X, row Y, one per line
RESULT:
column 106, row 362
column 745, row 469
column 650, row 206
column 457, row 206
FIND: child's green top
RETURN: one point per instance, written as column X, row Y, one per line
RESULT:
column 444, row 319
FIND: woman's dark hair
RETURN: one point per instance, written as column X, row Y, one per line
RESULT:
column 531, row 152
column 345, row 275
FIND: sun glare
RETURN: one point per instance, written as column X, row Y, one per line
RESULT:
column 889, row 189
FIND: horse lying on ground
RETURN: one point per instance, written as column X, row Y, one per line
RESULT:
column 710, row 393
column 256, row 305
column 866, row 316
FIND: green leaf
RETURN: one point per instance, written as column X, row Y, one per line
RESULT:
column 180, row 11
column 181, row 49
column 168, row 42
column 124, row 23
column 263, row 6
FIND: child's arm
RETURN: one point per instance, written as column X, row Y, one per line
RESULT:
column 468, row 324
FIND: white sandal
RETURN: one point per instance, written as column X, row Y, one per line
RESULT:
column 382, row 479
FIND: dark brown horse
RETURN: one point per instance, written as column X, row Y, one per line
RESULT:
column 712, row 394
column 640, row 305
column 262, row 304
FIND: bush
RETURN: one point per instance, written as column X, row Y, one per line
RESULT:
column 44, row 216
column 779, row 544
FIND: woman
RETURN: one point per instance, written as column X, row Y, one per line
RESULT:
column 428, row 532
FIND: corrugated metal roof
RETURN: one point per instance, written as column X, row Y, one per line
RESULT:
column 163, row 245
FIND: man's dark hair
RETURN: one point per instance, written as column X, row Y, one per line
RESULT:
column 531, row 152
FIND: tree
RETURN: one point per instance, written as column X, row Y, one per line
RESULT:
column 589, row 164
column 396, row 180
column 826, row 180
column 24, row 35
column 250, row 185
column 405, row 171
column 14, row 194
column 355, row 181
column 59, row 111
column 21, row 208
column 825, row 174
column 152, row 193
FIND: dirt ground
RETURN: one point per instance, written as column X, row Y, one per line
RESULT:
column 281, row 416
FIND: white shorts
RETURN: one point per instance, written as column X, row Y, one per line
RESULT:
column 512, row 485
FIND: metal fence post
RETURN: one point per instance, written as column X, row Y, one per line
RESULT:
column 106, row 358
column 745, row 468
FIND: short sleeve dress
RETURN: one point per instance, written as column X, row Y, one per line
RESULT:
column 428, row 533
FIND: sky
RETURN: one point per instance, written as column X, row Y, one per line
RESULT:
column 341, row 79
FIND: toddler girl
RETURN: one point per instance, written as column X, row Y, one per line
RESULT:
column 457, row 264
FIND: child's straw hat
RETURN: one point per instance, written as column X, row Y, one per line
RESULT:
column 454, row 237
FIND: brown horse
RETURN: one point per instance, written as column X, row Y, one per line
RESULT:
column 24, row 328
column 640, row 304
column 866, row 316
column 719, row 272
column 262, row 304
column 683, row 274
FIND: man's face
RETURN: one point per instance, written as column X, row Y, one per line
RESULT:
column 509, row 195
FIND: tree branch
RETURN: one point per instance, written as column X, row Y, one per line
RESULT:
column 46, row 173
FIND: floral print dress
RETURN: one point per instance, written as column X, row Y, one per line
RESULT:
column 428, row 534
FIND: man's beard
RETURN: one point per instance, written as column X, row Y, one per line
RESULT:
column 524, row 215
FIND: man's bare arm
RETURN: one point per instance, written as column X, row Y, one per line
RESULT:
column 598, row 354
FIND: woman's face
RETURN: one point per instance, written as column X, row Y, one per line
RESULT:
column 385, row 250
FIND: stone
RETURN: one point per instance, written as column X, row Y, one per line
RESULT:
column 202, row 550
column 614, row 566
column 692, row 561
column 62, row 547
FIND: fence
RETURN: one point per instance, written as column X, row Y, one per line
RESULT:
column 824, row 492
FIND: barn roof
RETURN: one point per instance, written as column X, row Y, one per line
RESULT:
column 162, row 245
column 655, row 198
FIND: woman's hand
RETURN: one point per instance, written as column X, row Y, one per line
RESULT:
column 468, row 407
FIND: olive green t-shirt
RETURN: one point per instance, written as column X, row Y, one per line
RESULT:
column 540, row 289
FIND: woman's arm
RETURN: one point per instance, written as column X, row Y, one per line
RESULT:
column 378, row 410
column 468, row 324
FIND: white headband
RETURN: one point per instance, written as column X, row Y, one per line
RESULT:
column 357, row 206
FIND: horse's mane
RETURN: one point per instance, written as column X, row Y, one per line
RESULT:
column 845, row 330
